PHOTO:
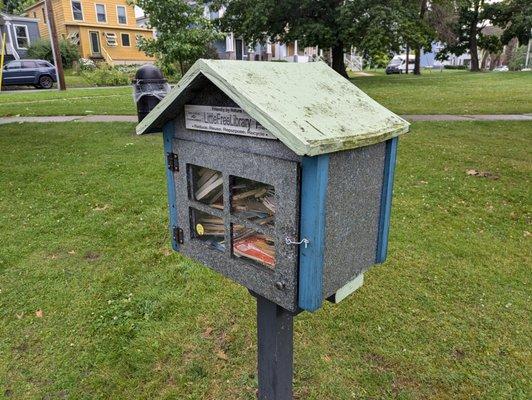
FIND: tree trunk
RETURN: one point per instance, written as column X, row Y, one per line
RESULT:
column 473, row 50
column 417, row 62
column 417, row 50
column 338, row 59
column 473, row 45
column 407, row 59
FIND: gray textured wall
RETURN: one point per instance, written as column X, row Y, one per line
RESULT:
column 353, row 209
column 263, row 160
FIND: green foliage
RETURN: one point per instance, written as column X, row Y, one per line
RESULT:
column 42, row 49
column 373, row 27
column 514, row 17
column 517, row 60
column 183, row 34
column 15, row 6
column 466, row 31
column 105, row 75
column 457, row 67
column 380, row 60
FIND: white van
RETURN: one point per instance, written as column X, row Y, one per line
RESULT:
column 398, row 64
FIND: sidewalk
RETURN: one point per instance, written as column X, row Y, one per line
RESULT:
column 133, row 118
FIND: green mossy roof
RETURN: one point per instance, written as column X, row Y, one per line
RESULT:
column 308, row 106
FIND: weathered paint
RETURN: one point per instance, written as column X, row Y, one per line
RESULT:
column 314, row 178
column 348, row 289
column 168, row 136
column 308, row 106
column 386, row 200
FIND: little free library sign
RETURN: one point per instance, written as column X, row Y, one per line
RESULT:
column 297, row 220
column 230, row 120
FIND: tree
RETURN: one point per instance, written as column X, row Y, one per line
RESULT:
column 183, row 34
column 42, row 49
column 514, row 17
column 466, row 30
column 15, row 6
column 374, row 27
column 423, row 7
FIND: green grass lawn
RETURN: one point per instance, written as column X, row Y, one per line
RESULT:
column 451, row 92
column 75, row 81
column 80, row 101
column 94, row 305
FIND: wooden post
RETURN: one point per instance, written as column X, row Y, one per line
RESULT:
column 275, row 334
column 55, row 46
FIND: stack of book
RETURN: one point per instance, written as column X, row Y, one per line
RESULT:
column 253, row 245
column 209, row 187
column 256, row 204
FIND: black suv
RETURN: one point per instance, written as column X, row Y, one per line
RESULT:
column 38, row 73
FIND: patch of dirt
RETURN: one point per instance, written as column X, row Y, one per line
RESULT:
column 459, row 354
column 482, row 174
column 92, row 256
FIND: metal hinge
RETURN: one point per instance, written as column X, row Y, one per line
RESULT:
column 178, row 235
column 172, row 162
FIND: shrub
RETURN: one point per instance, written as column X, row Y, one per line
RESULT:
column 170, row 71
column 106, row 75
column 455, row 67
column 517, row 59
column 42, row 49
column 86, row 64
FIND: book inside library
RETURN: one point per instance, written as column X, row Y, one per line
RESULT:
column 251, row 207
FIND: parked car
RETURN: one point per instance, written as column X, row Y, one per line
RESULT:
column 38, row 73
column 501, row 68
column 398, row 65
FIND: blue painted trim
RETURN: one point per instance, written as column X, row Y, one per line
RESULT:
column 386, row 200
column 314, row 178
column 168, row 136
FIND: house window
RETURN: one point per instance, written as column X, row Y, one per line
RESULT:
column 43, row 15
column 74, row 38
column 121, row 13
column 77, row 12
column 110, row 38
column 34, row 14
column 100, row 13
column 126, row 42
column 22, row 36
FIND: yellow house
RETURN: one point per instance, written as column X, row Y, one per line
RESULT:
column 104, row 30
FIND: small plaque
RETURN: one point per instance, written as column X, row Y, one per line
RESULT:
column 230, row 120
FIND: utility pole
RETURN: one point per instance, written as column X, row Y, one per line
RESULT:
column 55, row 46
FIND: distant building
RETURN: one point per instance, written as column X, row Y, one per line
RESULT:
column 235, row 48
column 104, row 30
column 20, row 32
column 428, row 58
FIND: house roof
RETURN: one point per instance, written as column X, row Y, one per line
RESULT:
column 307, row 106
column 10, row 17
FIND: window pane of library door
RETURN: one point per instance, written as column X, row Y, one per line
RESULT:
column 207, row 186
column 253, row 246
column 207, row 228
column 252, row 200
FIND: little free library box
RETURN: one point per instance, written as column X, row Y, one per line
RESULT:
column 279, row 176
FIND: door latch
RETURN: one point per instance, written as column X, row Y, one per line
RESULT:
column 303, row 241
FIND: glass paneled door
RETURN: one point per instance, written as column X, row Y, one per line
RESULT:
column 95, row 43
